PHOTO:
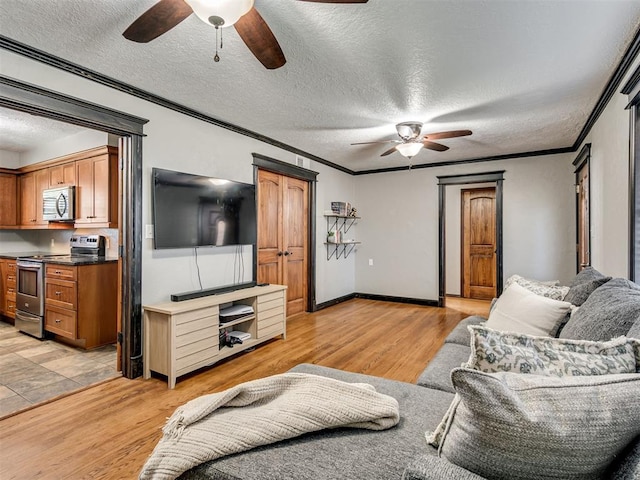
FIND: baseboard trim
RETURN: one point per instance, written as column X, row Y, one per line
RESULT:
column 333, row 302
column 388, row 298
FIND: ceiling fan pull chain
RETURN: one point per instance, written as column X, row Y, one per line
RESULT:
column 217, row 57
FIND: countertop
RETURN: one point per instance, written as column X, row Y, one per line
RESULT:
column 60, row 258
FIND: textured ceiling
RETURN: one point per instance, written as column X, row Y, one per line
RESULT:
column 522, row 75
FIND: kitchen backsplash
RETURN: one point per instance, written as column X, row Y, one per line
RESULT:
column 54, row 241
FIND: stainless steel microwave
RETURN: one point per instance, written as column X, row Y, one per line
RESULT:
column 59, row 203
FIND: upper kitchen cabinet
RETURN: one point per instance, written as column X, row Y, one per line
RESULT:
column 32, row 185
column 62, row 175
column 97, row 189
column 8, row 200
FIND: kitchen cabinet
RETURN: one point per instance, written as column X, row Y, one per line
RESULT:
column 8, row 200
column 97, row 190
column 8, row 287
column 62, row 175
column 180, row 337
column 81, row 303
column 32, row 185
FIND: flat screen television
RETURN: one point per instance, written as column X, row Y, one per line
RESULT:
column 196, row 211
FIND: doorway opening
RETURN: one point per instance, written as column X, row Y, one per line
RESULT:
column 485, row 278
column 45, row 103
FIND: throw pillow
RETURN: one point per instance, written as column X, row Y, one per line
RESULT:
column 523, row 427
column 519, row 310
column 609, row 312
column 578, row 294
column 537, row 287
column 634, row 331
column 493, row 351
column 585, row 275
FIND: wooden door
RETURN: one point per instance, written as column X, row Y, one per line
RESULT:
column 8, row 200
column 582, row 193
column 283, row 234
column 479, row 243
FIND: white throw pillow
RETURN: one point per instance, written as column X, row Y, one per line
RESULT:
column 521, row 311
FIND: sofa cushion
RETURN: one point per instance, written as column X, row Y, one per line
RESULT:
column 626, row 466
column 585, row 275
column 430, row 467
column 437, row 375
column 544, row 289
column 460, row 334
column 341, row 453
column 610, row 311
column 519, row 310
column 493, row 351
column 578, row 294
column 634, row 331
column 521, row 427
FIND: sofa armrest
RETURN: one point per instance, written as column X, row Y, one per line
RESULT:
column 431, row 467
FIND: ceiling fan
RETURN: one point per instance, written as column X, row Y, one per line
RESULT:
column 410, row 144
column 249, row 24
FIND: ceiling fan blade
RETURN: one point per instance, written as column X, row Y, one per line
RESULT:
column 159, row 19
column 451, row 134
column 381, row 141
column 336, row 1
column 438, row 147
column 257, row 35
column 389, row 152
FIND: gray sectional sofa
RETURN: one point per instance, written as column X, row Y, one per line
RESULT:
column 402, row 452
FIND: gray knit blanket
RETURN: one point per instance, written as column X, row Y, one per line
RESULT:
column 262, row 412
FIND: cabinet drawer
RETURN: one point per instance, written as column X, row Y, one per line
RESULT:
column 270, row 296
column 65, row 272
column 60, row 321
column 196, row 360
column 10, row 294
column 271, row 330
column 12, row 269
column 61, row 293
column 11, row 281
column 277, row 318
column 210, row 323
column 10, row 308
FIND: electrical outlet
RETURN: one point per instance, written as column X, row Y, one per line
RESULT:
column 148, row 231
column 371, row 262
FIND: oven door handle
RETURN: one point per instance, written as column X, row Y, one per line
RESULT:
column 62, row 205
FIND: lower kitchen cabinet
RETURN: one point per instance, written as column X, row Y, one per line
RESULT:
column 8, row 288
column 81, row 303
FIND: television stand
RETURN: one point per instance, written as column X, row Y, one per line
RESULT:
column 180, row 337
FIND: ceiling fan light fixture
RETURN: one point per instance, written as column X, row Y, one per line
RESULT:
column 409, row 130
column 220, row 13
column 409, row 149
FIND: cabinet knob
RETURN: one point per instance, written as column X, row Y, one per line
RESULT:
column 286, row 254
column 279, row 254
column 58, row 293
column 58, row 321
column 58, row 272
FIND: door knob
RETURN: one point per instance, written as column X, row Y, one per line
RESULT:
column 279, row 254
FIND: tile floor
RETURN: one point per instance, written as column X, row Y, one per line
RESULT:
column 33, row 371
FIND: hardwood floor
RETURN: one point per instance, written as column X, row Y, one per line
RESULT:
column 108, row 431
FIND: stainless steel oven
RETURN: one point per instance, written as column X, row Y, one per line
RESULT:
column 30, row 297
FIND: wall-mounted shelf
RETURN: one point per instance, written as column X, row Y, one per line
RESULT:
column 341, row 224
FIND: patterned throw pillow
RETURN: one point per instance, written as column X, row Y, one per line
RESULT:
column 494, row 351
column 523, row 427
column 544, row 289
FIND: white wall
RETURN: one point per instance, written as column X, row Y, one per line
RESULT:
column 609, row 177
column 182, row 143
column 66, row 145
column 399, row 229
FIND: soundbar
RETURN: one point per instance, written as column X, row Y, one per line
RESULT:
column 179, row 297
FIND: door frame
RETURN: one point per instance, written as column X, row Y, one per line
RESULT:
column 466, row 179
column 583, row 160
column 46, row 103
column 277, row 166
